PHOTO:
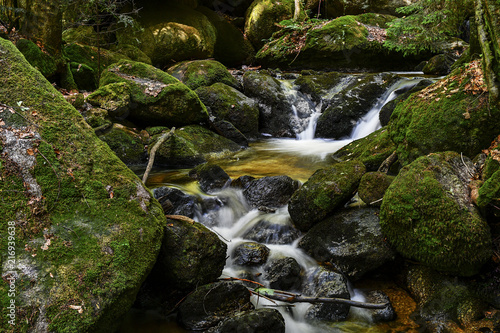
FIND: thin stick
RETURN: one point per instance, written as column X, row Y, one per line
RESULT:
column 157, row 145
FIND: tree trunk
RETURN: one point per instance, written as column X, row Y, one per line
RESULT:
column 296, row 14
column 43, row 23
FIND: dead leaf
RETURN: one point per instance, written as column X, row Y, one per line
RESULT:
column 30, row 151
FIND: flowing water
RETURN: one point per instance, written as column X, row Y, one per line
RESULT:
column 297, row 158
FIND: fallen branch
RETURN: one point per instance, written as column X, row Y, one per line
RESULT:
column 157, row 145
column 284, row 296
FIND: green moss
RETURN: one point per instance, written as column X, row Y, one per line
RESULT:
column 372, row 150
column 448, row 115
column 128, row 145
column 38, row 59
column 202, row 73
column 489, row 192
column 423, row 222
column 89, row 199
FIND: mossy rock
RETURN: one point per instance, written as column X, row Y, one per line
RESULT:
column 489, row 192
column 133, row 52
column 372, row 187
column 171, row 33
column 113, row 97
column 158, row 98
column 37, row 58
column 231, row 47
column 427, row 216
column 344, row 43
column 372, row 150
column 192, row 145
column 319, row 85
column 86, row 62
column 229, row 7
column 451, row 114
column 324, row 192
column 226, row 103
column 262, row 16
column 127, row 144
column 83, row 34
column 202, row 73
column 438, row 65
column 93, row 229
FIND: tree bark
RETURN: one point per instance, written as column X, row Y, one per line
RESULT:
column 43, row 23
column 296, row 14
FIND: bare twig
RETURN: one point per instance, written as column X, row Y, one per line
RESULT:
column 157, row 145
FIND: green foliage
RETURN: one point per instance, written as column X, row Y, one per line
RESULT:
column 11, row 15
column 427, row 24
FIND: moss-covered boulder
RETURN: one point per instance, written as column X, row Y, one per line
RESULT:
column 202, row 73
column 126, row 143
column 372, row 150
column 438, row 65
column 259, row 320
column 321, row 86
column 37, row 58
column 171, row 32
column 230, row 7
column 325, row 191
column 156, row 98
column 86, row 62
column 83, row 34
column 488, row 197
column 427, row 215
column 226, row 103
column 451, row 114
column 357, row 97
column 348, row 42
column 132, row 52
column 231, row 47
column 262, row 16
column 352, row 239
column 114, row 98
column 192, row 145
column 86, row 230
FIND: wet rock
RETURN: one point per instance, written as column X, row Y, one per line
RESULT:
column 321, row 86
column 227, row 103
column 272, row 192
column 372, row 187
column 155, row 96
column 126, row 143
column 271, row 232
column 427, row 215
column 351, row 239
column 202, row 73
column 191, row 255
column 325, row 191
column 190, row 146
column 175, row 202
column 211, row 178
column 283, row 274
column 275, row 111
column 242, row 182
column 229, row 131
column 372, row 150
column 360, row 94
column 210, row 304
column 386, row 111
column 250, row 254
column 258, row 321
column 322, row 282
column 380, row 315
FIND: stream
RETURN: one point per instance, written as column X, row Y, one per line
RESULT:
column 298, row 158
